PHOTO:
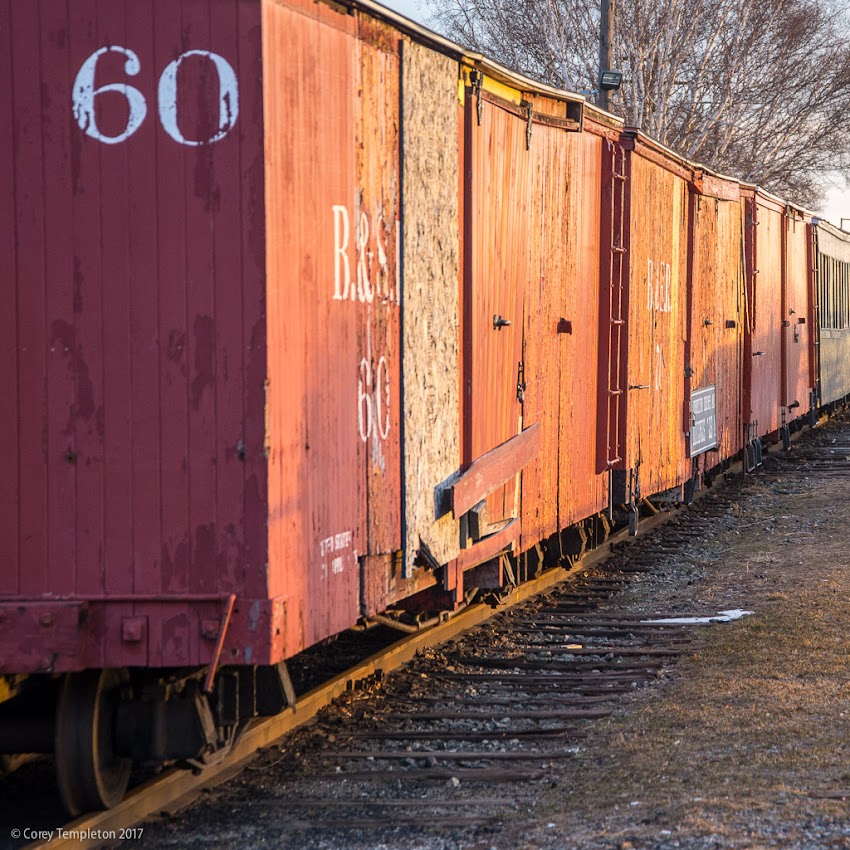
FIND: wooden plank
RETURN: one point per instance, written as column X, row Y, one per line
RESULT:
column 59, row 387
column 490, row 546
column 323, row 414
column 111, row 252
column 375, row 226
column 395, row 822
column 144, row 382
column 256, row 478
column 545, row 294
column 29, row 203
column 173, row 332
column 466, row 735
column 280, row 803
column 494, row 468
column 9, row 422
column 588, row 714
column 718, row 187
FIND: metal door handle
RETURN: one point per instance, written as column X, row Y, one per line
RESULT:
column 499, row 323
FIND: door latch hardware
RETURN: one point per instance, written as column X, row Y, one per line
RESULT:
column 520, row 382
column 499, row 323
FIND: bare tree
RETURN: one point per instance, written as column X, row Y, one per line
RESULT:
column 758, row 89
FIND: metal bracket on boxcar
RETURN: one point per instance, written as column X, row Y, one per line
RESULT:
column 520, row 382
column 477, row 78
column 526, row 104
column 634, row 515
column 219, row 644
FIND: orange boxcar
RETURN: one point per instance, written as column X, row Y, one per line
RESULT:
column 763, row 339
column 714, row 344
column 644, row 318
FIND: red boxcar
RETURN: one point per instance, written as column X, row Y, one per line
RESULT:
column 205, row 343
column 763, row 339
column 310, row 315
column 135, row 383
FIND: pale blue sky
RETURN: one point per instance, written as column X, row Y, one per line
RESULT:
column 837, row 202
column 409, row 8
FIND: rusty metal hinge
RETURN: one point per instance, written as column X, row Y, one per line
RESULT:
column 520, row 382
column 477, row 78
column 526, row 104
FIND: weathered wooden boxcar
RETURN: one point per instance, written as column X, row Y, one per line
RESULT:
column 644, row 316
column 779, row 359
column 530, row 307
column 715, row 333
column 763, row 339
column 798, row 373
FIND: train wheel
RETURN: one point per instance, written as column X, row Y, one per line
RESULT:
column 91, row 776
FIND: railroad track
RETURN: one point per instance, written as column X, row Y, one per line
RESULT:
column 464, row 733
column 462, row 736
column 176, row 788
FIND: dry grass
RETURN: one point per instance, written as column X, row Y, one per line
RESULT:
column 753, row 722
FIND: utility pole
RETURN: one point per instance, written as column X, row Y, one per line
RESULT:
column 606, row 39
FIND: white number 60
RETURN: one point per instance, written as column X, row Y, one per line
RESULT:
column 84, row 94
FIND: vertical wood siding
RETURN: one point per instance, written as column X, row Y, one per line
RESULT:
column 795, row 311
column 764, row 304
column 134, row 312
column 715, row 350
column 333, row 408
column 562, row 294
column 655, row 444
column 498, row 213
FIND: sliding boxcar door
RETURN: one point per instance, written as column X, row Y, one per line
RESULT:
column 496, row 266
